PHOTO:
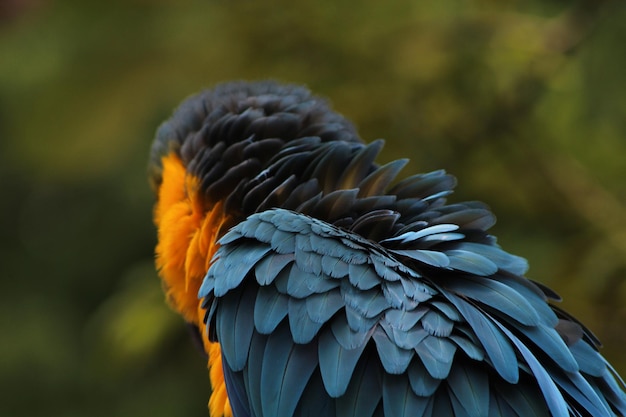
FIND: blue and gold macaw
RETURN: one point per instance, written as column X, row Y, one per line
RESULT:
column 321, row 289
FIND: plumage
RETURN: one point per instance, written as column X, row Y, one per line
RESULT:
column 328, row 291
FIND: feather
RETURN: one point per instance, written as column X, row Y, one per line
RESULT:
column 286, row 370
column 394, row 294
column 264, row 232
column 496, row 295
column 232, row 235
column 442, row 404
column 237, row 397
column 437, row 324
column 321, row 307
column 471, row 388
column 297, row 283
column 278, row 194
column 432, row 240
column 407, row 339
column 588, row 358
column 519, row 401
column 549, row 341
column 382, row 269
column 469, row 218
column 349, row 339
column 399, row 400
column 334, row 204
column 369, row 304
column 427, row 231
column 428, row 257
column 315, row 401
column 235, row 325
column 500, row 408
column 334, row 267
column 472, row 350
column 364, row 392
column 324, row 245
column 270, row 266
column 232, row 267
column 319, row 283
column 422, row 382
column 496, row 345
column 533, row 295
column 253, row 372
column 404, row 320
column 471, row 262
column 556, row 403
column 358, row 322
column 309, row 261
column 447, row 309
column 580, row 391
column 376, row 182
column 423, row 185
column 437, row 354
column 270, row 309
column 394, row 359
column 612, row 391
column 207, row 287
column 416, row 290
column 504, row 260
column 283, row 242
column 362, row 276
column 336, row 363
column 303, row 328
column 359, row 165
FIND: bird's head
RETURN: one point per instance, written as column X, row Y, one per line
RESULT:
column 224, row 154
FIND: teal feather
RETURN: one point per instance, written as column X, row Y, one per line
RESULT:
column 270, row 309
column 336, row 363
column 496, row 345
column 470, row 387
column 422, row 382
column 399, row 400
column 496, row 295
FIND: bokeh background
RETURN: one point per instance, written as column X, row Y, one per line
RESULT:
column 524, row 101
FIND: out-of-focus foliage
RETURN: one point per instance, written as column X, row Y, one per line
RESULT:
column 525, row 102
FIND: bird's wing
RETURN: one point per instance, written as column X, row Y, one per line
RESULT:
column 313, row 319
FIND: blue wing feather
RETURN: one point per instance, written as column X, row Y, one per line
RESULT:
column 556, row 403
column 310, row 313
column 270, row 309
column 235, row 324
column 436, row 354
column 394, row 359
column 303, row 328
column 270, row 266
column 362, row 276
column 468, row 261
column 496, row 345
column 470, row 387
column 496, row 295
column 349, row 339
column 321, row 307
column 364, row 392
column 295, row 363
column 399, row 400
column 337, row 363
column 422, row 382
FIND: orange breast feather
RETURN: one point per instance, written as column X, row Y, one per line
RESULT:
column 188, row 228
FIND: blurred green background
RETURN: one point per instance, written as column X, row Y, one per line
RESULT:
column 524, row 101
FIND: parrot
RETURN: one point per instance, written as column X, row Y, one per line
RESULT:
column 320, row 283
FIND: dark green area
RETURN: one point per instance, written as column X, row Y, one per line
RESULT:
column 525, row 102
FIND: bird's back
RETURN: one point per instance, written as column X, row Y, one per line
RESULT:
column 331, row 288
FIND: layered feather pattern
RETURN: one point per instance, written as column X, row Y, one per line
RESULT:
column 341, row 291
